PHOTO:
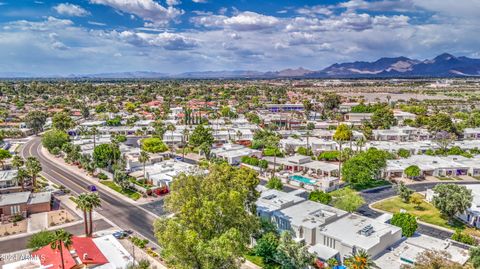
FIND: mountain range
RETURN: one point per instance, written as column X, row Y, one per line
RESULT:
column 444, row 65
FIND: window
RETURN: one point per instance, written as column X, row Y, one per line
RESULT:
column 15, row 210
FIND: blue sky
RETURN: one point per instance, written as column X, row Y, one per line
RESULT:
column 43, row 37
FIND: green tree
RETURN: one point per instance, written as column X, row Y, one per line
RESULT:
column 347, row 199
column 407, row 222
column 153, row 145
column 475, row 256
column 441, row 122
column 412, row 171
column 320, row 196
column 40, row 239
column 35, row 120
column 360, row 260
column 462, row 237
column 33, row 168
column 62, row 121
column 292, row 255
column 212, row 228
column 403, row 153
column 404, row 192
column 365, row 166
column 21, row 176
column 452, row 199
column 331, row 101
column 201, row 135
column 61, row 239
column 274, row 183
column 4, row 154
column 103, row 155
column 383, row 118
column 266, row 247
column 54, row 139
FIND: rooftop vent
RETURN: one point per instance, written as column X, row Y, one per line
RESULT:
column 270, row 197
column 367, row 230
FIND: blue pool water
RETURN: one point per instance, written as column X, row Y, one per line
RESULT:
column 302, row 179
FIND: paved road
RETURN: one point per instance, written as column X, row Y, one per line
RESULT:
column 17, row 244
column 123, row 213
column 372, row 196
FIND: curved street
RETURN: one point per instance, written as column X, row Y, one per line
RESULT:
column 124, row 214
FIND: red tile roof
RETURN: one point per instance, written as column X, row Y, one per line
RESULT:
column 84, row 247
column 49, row 256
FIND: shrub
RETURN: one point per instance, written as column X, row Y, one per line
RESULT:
column 464, row 238
column 407, row 222
column 320, row 196
column 329, row 156
column 102, row 176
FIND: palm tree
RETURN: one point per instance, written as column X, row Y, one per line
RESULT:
column 342, row 134
column 185, row 133
column 360, row 260
column 94, row 131
column 143, row 158
column 61, row 238
column 171, row 128
column 114, row 143
column 93, row 201
column 33, row 167
column 360, row 143
column 82, row 204
column 272, row 142
column 20, row 178
column 17, row 161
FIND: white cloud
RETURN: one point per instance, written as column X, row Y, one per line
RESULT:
column 245, row 21
column 71, row 10
column 148, row 10
column 173, row 2
column 168, row 41
column 315, row 10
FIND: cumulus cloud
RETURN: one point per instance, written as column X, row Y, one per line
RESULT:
column 168, row 41
column 315, row 10
column 70, row 10
column 148, row 10
column 244, row 21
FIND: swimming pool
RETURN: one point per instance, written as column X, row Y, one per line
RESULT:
column 303, row 179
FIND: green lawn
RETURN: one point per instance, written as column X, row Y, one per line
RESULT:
column 426, row 211
column 129, row 193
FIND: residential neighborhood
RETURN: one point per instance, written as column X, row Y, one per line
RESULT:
column 213, row 134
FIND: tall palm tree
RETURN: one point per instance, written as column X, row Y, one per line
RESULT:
column 143, row 158
column 83, row 204
column 61, row 238
column 185, row 133
column 93, row 201
column 171, row 128
column 93, row 132
column 342, row 135
column 33, row 167
column 273, row 142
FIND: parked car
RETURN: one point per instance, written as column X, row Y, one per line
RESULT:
column 92, row 188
